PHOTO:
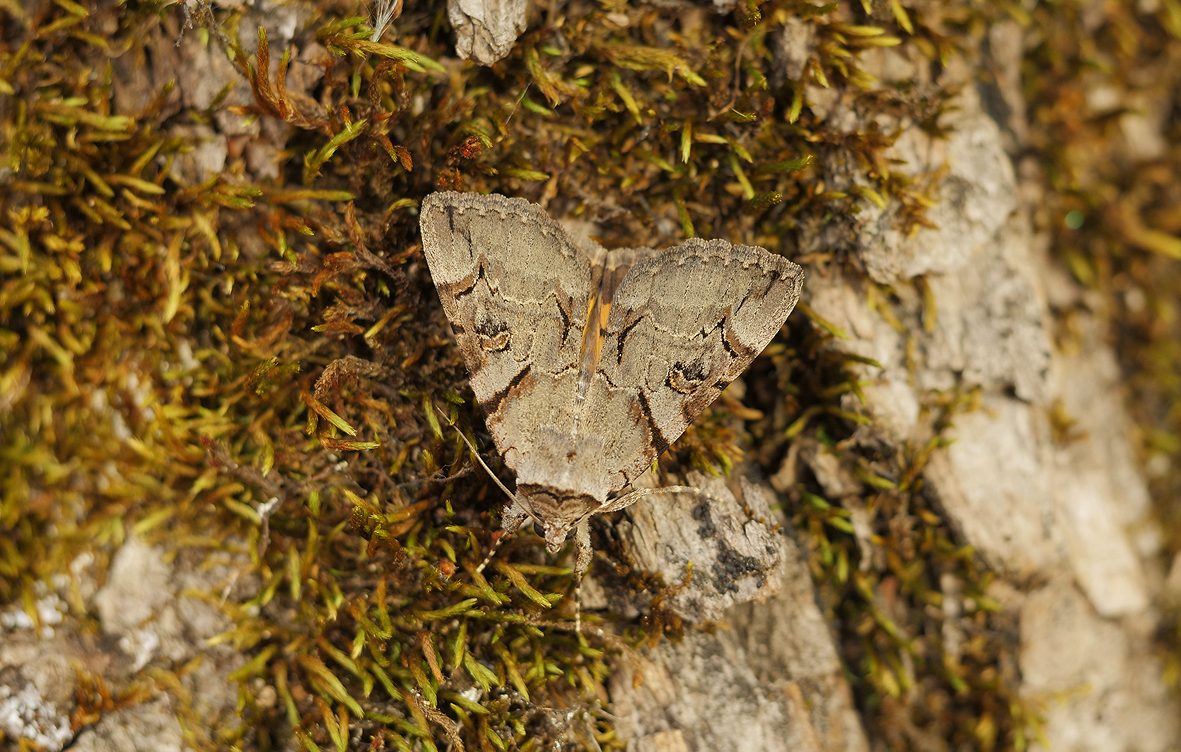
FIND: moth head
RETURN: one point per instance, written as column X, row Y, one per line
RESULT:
column 556, row 512
column 555, row 537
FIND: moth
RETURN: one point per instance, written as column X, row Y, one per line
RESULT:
column 589, row 363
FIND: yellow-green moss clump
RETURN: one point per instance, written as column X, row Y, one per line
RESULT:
column 248, row 361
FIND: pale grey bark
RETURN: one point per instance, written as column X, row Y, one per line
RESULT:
column 765, row 675
column 150, row 612
column 485, row 30
column 1065, row 521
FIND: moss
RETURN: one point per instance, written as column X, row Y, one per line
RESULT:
column 264, row 361
column 1111, row 210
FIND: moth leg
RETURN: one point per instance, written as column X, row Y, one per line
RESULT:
column 583, row 543
column 631, row 497
column 513, row 516
column 510, row 520
column 582, row 562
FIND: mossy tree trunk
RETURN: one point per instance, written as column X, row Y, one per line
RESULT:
column 935, row 511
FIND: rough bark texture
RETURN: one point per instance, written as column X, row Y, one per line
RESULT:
column 766, row 674
column 1065, row 520
column 485, row 30
column 151, row 612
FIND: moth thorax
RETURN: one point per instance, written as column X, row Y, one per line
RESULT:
column 558, row 511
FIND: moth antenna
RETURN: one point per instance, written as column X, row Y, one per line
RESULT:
column 492, row 551
column 476, row 454
column 578, row 603
column 513, row 515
